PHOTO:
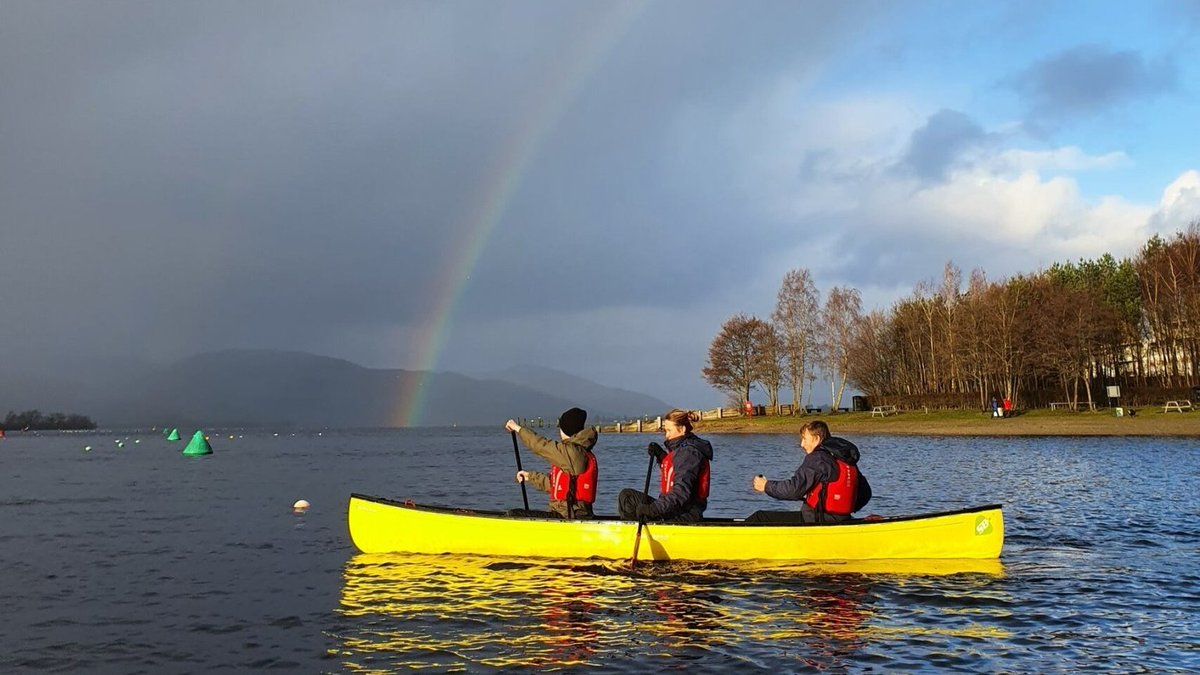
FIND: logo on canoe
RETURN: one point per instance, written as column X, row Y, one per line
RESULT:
column 983, row 525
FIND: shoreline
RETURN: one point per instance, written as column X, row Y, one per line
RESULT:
column 1148, row 422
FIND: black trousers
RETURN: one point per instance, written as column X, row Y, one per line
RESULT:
column 776, row 517
column 628, row 500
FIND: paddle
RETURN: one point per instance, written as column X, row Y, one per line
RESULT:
column 517, row 452
column 637, row 540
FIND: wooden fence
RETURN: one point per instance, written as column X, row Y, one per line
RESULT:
column 648, row 425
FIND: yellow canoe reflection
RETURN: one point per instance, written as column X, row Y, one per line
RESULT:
column 407, row 611
column 384, row 526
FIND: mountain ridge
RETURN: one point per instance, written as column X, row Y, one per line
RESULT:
column 264, row 387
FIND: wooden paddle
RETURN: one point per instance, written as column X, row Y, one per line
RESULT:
column 517, row 452
column 637, row 540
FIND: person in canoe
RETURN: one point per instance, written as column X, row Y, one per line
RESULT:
column 828, row 482
column 685, row 469
column 573, row 473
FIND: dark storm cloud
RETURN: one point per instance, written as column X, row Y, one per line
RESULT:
column 183, row 176
column 650, row 209
column 1089, row 79
column 934, row 148
column 248, row 165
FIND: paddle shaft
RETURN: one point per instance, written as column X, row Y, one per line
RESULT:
column 517, row 452
column 637, row 540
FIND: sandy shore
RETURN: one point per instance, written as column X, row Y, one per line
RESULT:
column 1148, row 422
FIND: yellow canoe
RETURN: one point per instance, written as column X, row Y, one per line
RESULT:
column 385, row 526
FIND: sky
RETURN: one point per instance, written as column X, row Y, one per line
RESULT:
column 589, row 186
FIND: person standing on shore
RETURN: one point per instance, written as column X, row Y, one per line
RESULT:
column 828, row 482
column 686, row 474
column 574, row 472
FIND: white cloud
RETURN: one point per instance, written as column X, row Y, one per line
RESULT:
column 995, row 208
column 824, row 169
column 1180, row 205
column 1069, row 158
column 1033, row 213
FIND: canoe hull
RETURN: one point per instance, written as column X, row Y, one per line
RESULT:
column 384, row 526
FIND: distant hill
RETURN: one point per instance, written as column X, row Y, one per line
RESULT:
column 263, row 388
column 601, row 402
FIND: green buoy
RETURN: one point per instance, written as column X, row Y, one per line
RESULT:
column 198, row 445
column 174, row 435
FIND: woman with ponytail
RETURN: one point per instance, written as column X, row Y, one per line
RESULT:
column 685, row 468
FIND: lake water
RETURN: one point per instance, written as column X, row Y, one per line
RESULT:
column 140, row 560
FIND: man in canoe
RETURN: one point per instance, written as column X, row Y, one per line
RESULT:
column 573, row 473
column 828, row 482
column 685, row 475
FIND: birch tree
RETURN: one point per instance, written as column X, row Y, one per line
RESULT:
column 797, row 310
column 843, row 309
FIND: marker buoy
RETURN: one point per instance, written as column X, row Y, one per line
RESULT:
column 300, row 506
column 198, row 446
column 87, row 448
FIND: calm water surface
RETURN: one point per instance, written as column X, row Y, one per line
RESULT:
column 139, row 560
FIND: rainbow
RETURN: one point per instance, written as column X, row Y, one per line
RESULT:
column 497, row 190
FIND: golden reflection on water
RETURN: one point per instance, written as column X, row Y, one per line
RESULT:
column 458, row 612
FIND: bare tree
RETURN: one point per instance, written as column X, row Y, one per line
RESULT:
column 1169, row 272
column 733, row 357
column 950, row 292
column 972, row 330
column 1008, row 334
column 771, row 364
column 843, row 309
column 797, row 309
column 927, row 301
column 1071, row 326
column 873, row 362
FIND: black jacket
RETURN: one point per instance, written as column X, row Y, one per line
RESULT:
column 820, row 466
column 683, row 501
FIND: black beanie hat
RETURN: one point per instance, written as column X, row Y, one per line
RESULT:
column 571, row 422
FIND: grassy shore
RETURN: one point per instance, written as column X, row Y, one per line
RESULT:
column 1147, row 422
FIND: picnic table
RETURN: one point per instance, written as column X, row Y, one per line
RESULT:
column 1177, row 406
column 883, row 410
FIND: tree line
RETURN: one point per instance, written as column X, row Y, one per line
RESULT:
column 1066, row 333
column 34, row 420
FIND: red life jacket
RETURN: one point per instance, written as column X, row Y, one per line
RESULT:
column 839, row 495
column 582, row 488
column 668, row 476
